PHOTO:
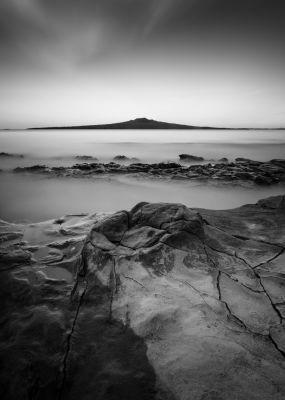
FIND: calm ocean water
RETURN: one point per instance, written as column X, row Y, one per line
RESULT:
column 37, row 198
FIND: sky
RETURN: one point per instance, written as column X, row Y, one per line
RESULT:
column 199, row 62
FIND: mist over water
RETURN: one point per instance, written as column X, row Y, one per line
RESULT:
column 36, row 198
column 59, row 147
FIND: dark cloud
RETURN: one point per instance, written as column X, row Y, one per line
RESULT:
column 29, row 27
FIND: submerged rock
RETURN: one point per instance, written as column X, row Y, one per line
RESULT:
column 160, row 302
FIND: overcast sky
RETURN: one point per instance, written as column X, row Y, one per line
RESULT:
column 204, row 62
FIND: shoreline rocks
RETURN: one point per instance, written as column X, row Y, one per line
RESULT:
column 10, row 155
column 242, row 171
column 159, row 302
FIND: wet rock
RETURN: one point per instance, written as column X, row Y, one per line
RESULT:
column 6, row 155
column 86, row 158
column 83, row 167
column 33, row 168
column 262, row 180
column 121, row 158
column 190, row 158
column 243, row 175
column 242, row 160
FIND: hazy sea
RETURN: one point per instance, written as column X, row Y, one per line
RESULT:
column 36, row 198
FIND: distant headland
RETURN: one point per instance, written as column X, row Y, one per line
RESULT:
column 145, row 123
column 138, row 123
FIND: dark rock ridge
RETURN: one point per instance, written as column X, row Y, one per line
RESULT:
column 160, row 302
column 243, row 170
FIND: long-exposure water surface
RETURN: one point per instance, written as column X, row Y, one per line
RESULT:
column 35, row 198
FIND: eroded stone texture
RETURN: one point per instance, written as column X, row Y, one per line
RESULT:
column 162, row 302
column 253, row 309
column 141, row 237
column 261, row 222
column 113, row 226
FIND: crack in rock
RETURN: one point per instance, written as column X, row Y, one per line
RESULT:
column 81, row 293
column 134, row 280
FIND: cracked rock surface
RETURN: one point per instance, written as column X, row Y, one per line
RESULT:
column 160, row 302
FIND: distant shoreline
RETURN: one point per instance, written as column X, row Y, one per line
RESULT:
column 145, row 124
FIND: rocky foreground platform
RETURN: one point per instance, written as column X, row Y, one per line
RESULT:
column 161, row 302
column 241, row 171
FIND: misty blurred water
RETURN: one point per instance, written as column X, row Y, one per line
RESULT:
column 35, row 198
column 59, row 147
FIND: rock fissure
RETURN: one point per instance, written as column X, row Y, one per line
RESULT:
column 134, row 280
column 235, row 318
column 229, row 275
column 70, row 335
column 242, row 322
column 245, row 238
column 270, row 299
column 271, row 259
column 113, row 287
column 275, row 344
column 257, row 240
column 263, row 287
column 218, row 285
